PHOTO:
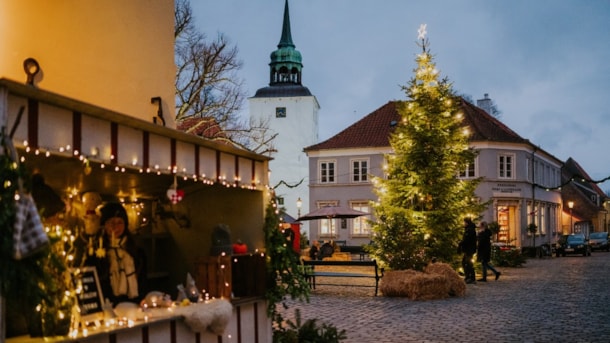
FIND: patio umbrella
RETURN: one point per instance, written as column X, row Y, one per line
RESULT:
column 332, row 212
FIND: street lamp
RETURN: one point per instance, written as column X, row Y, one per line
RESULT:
column 299, row 204
column 571, row 205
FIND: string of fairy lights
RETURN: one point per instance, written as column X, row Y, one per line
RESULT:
column 87, row 162
column 573, row 178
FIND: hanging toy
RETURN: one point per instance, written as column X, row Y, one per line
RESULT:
column 174, row 194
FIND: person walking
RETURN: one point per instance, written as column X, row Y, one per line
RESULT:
column 468, row 246
column 484, row 251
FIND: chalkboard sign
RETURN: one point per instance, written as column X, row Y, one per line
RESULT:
column 90, row 298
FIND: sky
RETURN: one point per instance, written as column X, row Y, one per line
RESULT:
column 544, row 63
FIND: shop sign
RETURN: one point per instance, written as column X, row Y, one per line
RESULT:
column 506, row 189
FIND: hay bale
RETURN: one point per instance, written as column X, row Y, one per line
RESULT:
column 427, row 287
column 393, row 283
column 438, row 281
column 457, row 286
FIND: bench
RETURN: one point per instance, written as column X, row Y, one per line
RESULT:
column 355, row 249
column 311, row 273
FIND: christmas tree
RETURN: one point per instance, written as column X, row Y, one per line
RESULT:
column 421, row 200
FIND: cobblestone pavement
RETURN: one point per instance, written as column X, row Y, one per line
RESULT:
column 565, row 299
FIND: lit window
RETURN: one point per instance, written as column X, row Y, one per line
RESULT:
column 361, row 226
column 328, row 227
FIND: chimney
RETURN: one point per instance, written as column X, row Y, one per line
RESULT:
column 485, row 104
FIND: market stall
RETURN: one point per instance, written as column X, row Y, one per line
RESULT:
column 177, row 189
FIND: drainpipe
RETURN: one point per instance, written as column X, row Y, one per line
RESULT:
column 533, row 212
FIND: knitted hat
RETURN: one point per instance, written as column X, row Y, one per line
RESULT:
column 111, row 210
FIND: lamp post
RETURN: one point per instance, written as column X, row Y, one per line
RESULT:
column 571, row 205
column 299, row 204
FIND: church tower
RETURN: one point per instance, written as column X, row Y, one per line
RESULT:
column 291, row 112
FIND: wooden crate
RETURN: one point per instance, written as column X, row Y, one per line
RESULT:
column 249, row 275
column 214, row 276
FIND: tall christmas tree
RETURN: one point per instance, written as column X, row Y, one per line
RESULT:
column 422, row 201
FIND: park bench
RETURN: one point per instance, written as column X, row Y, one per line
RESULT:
column 311, row 273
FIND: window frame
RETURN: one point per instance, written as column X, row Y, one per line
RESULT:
column 506, row 169
column 362, row 220
column 328, row 178
column 324, row 228
column 362, row 174
column 465, row 173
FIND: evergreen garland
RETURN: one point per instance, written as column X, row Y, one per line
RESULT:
column 24, row 283
column 285, row 277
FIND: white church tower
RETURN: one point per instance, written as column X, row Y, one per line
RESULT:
column 291, row 112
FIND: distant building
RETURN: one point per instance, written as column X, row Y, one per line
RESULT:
column 588, row 213
column 290, row 111
column 341, row 169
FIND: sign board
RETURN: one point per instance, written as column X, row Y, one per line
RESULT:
column 90, row 298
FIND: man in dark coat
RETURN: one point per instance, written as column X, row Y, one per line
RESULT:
column 468, row 246
column 484, row 251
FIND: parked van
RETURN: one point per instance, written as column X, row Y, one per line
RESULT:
column 599, row 241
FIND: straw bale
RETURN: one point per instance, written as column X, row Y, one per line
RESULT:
column 438, row 281
column 394, row 282
column 457, row 286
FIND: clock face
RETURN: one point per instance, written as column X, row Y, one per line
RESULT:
column 280, row 112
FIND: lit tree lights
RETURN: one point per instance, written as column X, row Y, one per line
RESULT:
column 421, row 200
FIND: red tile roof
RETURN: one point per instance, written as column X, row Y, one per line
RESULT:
column 374, row 129
column 573, row 169
column 206, row 127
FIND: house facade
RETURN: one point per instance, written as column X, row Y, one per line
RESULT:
column 586, row 204
column 517, row 177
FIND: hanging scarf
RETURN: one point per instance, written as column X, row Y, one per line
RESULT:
column 123, row 279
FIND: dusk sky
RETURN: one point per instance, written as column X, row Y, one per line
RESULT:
column 544, row 63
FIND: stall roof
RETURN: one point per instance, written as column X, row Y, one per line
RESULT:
column 225, row 165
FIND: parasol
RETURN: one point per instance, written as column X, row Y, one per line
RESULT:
column 331, row 212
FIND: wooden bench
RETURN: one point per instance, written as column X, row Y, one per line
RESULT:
column 311, row 273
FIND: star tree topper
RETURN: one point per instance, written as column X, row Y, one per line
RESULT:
column 421, row 34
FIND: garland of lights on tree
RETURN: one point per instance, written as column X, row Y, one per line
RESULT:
column 422, row 202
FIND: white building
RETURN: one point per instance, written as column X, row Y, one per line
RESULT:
column 514, row 173
column 291, row 112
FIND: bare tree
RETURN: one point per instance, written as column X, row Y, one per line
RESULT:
column 209, row 92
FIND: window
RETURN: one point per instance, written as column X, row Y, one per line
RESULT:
column 469, row 172
column 505, row 166
column 360, row 170
column 361, row 225
column 328, row 227
column 327, row 172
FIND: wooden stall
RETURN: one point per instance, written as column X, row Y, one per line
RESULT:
column 79, row 147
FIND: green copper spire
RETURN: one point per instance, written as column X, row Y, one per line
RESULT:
column 286, row 40
column 286, row 63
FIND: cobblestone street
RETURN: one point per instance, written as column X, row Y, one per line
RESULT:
column 563, row 299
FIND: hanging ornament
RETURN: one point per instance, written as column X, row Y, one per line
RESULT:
column 174, row 194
